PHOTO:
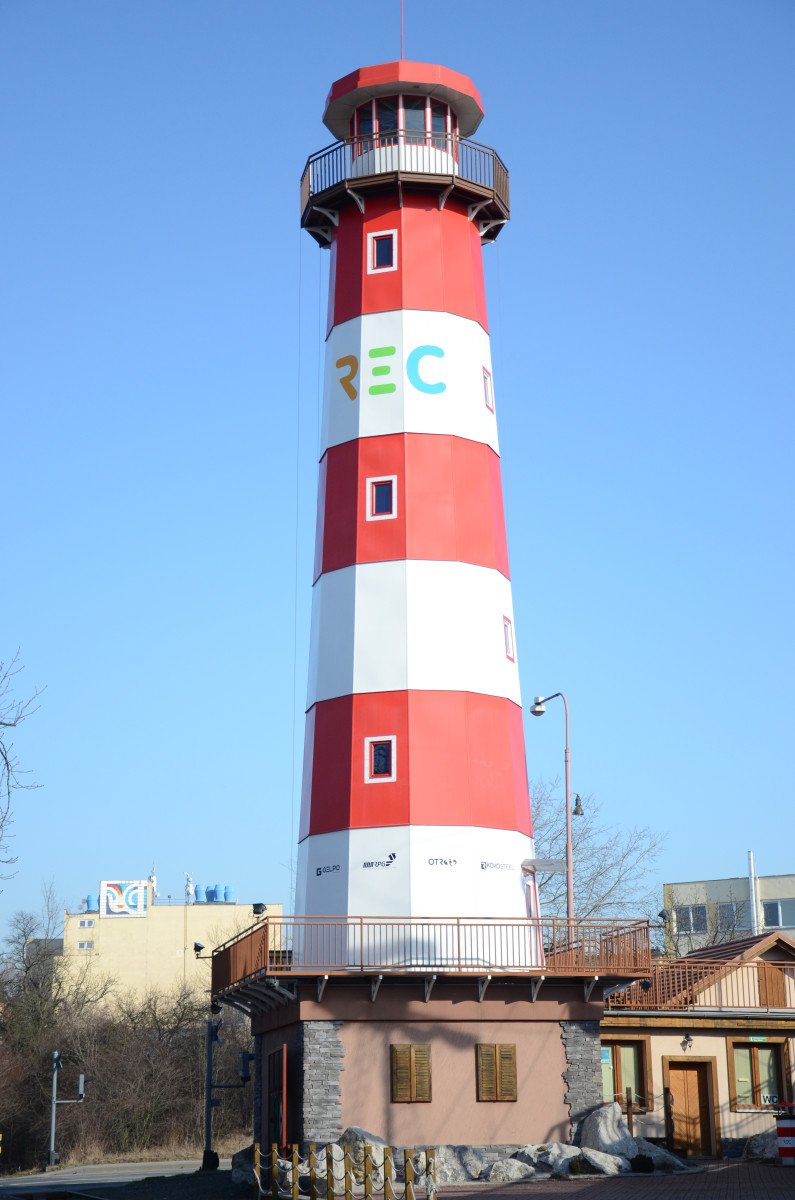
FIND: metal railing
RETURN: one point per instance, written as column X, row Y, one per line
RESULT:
column 434, row 154
column 687, row 985
column 309, row 946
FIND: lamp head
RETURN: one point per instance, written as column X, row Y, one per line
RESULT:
column 197, row 948
column 538, row 708
column 258, row 909
column 577, row 811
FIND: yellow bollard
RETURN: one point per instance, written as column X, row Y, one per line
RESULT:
column 368, row 1174
column 294, row 1172
column 330, row 1173
column 408, row 1175
column 389, row 1173
column 348, row 1175
column 275, row 1171
column 312, row 1172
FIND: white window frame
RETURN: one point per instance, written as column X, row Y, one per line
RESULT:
column 85, row 923
column 372, row 269
column 488, row 389
column 89, row 946
column 368, row 772
column 370, row 483
column 510, row 645
column 690, row 927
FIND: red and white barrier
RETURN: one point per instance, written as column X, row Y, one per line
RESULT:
column 785, row 1132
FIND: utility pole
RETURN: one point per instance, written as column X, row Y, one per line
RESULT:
column 210, row 1157
column 52, row 1158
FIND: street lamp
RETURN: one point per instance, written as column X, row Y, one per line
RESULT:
column 538, row 710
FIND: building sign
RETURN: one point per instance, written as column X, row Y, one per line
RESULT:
column 123, row 898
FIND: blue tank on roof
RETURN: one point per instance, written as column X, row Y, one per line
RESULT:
column 229, row 894
column 219, row 892
column 199, row 893
column 92, row 904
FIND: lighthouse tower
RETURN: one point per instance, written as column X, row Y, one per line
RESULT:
column 415, row 798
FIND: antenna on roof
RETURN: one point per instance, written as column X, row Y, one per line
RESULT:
column 402, row 33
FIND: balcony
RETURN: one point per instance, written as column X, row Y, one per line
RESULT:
column 710, row 987
column 291, row 948
column 440, row 163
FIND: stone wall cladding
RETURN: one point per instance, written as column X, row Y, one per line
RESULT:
column 583, row 1074
column 322, row 1053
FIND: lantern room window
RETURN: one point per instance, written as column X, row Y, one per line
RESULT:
column 387, row 120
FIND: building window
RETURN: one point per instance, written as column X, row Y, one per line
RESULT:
column 380, row 759
column 85, row 923
column 381, row 498
column 85, row 945
column 382, row 251
column 411, row 1074
column 626, row 1064
column 779, row 914
column 507, row 628
column 496, row 1072
column 488, row 390
column 733, row 915
column 757, row 1073
column 691, row 918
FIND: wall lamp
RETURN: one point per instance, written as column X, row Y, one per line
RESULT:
column 686, row 1042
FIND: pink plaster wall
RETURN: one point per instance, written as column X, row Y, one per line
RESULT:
column 454, row 1115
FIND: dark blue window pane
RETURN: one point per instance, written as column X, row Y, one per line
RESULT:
column 382, row 498
column 382, row 758
column 383, row 252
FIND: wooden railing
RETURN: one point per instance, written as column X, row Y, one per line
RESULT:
column 686, row 985
column 433, row 154
column 311, row 946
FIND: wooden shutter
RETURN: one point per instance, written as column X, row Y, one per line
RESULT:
column 411, row 1073
column 506, row 1072
column 487, row 1072
column 496, row 1072
column 421, row 1073
column 401, row 1074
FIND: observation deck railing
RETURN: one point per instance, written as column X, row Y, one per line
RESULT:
column 432, row 158
column 695, row 985
column 313, row 946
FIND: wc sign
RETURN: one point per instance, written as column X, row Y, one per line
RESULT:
column 380, row 370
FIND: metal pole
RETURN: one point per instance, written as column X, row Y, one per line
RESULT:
column 52, row 1158
column 209, row 1159
column 569, row 848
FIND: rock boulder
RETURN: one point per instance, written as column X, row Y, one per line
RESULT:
column 606, row 1164
column 508, row 1170
column 605, row 1129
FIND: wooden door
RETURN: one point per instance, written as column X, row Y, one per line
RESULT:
column 690, row 1111
column 772, row 986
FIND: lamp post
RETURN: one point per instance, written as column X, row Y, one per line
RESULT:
column 538, row 710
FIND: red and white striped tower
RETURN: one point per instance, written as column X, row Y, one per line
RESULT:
column 415, row 798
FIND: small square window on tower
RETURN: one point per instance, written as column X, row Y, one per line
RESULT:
column 488, row 390
column 380, row 759
column 507, row 628
column 382, row 251
column 381, row 498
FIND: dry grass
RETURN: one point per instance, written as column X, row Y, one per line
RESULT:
column 89, row 1153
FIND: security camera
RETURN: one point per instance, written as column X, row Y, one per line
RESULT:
column 197, row 948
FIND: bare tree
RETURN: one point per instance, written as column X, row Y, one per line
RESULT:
column 612, row 866
column 12, row 713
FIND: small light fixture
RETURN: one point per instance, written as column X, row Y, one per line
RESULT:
column 538, row 708
column 664, row 914
column 197, row 948
column 258, row 909
column 215, row 1008
column 686, row 1042
column 577, row 811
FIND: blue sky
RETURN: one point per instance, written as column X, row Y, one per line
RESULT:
column 161, row 317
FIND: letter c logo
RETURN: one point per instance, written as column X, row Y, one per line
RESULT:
column 413, row 369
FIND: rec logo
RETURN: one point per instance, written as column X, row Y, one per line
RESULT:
column 492, row 866
column 381, row 862
column 327, row 870
column 442, row 862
